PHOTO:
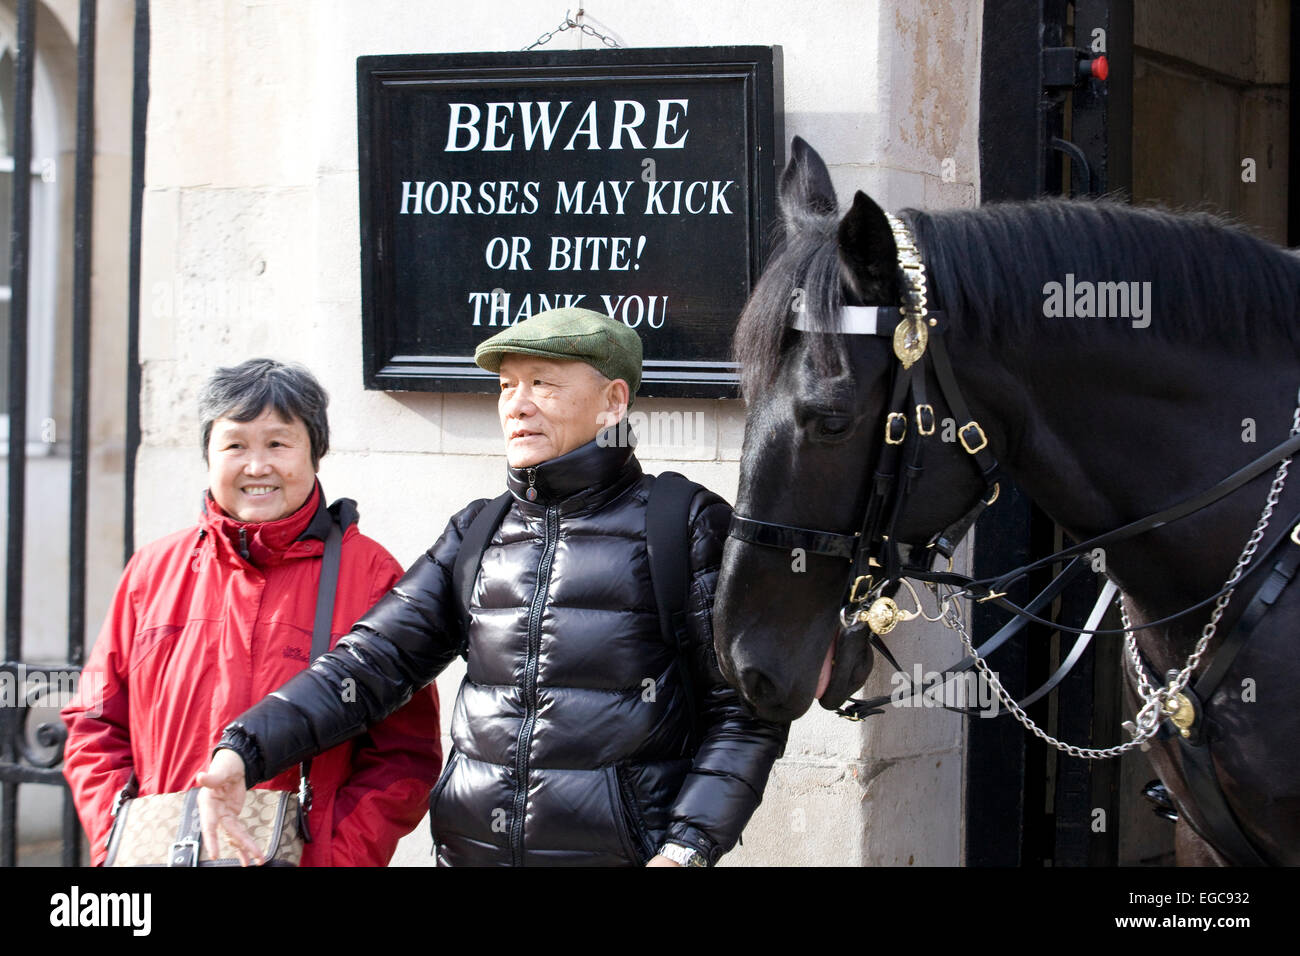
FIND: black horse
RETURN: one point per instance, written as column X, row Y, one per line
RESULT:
column 1102, row 419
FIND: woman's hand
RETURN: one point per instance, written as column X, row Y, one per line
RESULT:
column 220, row 801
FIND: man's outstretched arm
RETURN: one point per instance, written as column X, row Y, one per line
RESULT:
column 399, row 646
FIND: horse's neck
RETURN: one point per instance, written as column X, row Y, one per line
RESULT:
column 1100, row 436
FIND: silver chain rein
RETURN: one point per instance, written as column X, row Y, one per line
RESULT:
column 1154, row 701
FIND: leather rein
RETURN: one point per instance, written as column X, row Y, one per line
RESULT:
column 876, row 559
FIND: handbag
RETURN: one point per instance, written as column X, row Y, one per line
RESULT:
column 163, row 829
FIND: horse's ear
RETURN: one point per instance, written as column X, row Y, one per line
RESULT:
column 806, row 183
column 867, row 250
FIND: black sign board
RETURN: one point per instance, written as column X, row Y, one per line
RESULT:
column 639, row 183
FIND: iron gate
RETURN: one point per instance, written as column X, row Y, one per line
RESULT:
column 32, row 755
column 1049, row 125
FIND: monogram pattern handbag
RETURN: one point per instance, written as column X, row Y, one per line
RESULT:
column 163, row 829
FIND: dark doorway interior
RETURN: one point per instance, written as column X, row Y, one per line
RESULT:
column 1195, row 114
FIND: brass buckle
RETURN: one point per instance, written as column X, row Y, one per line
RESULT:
column 1295, row 534
column 931, row 547
column 997, row 490
column 901, row 419
column 984, row 440
column 1182, row 713
column 853, row 592
column 990, row 597
column 920, row 424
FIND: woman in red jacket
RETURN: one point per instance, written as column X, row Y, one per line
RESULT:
column 209, row 620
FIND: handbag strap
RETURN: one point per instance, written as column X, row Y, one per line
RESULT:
column 185, row 848
column 320, row 643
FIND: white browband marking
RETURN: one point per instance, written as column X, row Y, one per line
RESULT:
column 854, row 320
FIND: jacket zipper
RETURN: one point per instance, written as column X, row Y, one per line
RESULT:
column 243, row 544
column 530, row 685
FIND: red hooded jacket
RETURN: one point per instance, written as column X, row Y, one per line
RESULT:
column 197, row 634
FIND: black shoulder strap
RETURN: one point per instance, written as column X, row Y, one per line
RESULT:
column 465, row 572
column 667, row 516
column 326, row 591
column 329, row 585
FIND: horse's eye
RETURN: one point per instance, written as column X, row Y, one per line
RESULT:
column 833, row 426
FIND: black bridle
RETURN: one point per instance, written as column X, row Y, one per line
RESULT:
column 875, row 556
column 874, row 552
column 877, row 563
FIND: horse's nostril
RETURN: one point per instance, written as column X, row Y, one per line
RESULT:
column 758, row 689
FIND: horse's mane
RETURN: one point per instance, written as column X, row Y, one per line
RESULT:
column 1211, row 279
column 802, row 272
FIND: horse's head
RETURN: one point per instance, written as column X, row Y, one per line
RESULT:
column 816, row 407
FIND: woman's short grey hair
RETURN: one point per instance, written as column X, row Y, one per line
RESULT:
column 242, row 393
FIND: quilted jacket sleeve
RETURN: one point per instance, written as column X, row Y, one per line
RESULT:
column 399, row 646
column 736, row 749
column 394, row 767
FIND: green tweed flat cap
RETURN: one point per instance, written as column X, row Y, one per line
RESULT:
column 605, row 344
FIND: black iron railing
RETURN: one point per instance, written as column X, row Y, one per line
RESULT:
column 32, row 755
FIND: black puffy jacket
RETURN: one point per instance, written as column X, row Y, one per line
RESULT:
column 571, row 730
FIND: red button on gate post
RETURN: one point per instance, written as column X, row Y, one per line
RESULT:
column 1097, row 68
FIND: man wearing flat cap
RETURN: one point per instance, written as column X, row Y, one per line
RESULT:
column 581, row 734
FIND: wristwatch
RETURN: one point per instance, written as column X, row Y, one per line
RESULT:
column 683, row 855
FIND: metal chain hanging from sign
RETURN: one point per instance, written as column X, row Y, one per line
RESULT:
column 571, row 23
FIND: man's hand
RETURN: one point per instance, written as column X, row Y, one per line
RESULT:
column 660, row 860
column 220, row 801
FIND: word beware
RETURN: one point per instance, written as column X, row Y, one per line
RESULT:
column 504, row 129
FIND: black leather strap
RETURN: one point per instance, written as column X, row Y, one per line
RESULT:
column 984, row 460
column 862, row 708
column 1151, row 522
column 1208, row 812
column 326, row 591
column 667, row 517
column 1284, row 571
column 1212, row 818
column 782, row 536
column 189, row 837
column 465, row 571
